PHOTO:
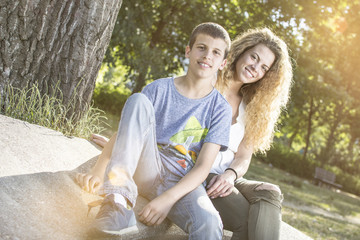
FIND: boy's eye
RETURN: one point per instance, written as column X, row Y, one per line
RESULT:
column 201, row 47
column 217, row 52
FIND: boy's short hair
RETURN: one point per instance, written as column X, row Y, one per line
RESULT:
column 213, row 30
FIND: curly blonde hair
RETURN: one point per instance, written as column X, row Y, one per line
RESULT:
column 265, row 98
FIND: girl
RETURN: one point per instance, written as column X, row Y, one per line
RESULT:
column 256, row 82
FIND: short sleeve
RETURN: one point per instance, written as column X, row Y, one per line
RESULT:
column 149, row 92
column 220, row 126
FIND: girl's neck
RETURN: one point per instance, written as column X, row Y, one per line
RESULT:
column 233, row 89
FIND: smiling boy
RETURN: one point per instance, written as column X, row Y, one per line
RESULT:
column 167, row 141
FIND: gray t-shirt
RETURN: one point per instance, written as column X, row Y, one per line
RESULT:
column 183, row 124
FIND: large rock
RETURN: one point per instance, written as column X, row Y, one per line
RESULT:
column 39, row 197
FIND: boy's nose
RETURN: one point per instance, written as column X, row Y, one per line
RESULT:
column 207, row 55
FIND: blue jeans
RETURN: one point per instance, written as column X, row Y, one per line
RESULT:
column 135, row 168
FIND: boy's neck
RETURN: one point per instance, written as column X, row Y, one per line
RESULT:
column 193, row 88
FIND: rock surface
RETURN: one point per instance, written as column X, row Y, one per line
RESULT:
column 39, row 198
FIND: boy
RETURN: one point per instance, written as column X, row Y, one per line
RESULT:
column 167, row 141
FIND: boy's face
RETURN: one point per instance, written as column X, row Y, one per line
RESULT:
column 206, row 56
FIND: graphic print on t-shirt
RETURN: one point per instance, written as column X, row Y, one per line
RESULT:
column 181, row 141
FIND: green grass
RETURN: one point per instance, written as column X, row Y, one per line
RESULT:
column 30, row 105
column 318, row 212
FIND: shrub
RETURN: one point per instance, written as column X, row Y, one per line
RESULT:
column 110, row 98
column 290, row 161
column 349, row 182
column 282, row 157
column 49, row 111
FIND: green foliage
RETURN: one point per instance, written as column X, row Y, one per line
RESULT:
column 109, row 97
column 49, row 111
column 293, row 162
column 286, row 159
column 150, row 36
column 323, row 116
column 349, row 182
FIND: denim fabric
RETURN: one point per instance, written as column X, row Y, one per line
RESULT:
column 195, row 213
column 135, row 155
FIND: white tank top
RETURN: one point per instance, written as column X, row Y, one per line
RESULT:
column 237, row 131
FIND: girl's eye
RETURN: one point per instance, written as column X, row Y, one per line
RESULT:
column 264, row 69
column 217, row 52
column 253, row 56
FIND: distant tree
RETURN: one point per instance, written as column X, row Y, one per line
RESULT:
column 55, row 42
column 150, row 36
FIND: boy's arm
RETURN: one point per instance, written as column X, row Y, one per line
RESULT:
column 92, row 181
column 221, row 185
column 156, row 210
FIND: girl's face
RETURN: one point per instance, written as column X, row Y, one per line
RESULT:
column 254, row 63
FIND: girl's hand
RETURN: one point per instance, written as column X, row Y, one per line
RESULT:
column 99, row 140
column 89, row 182
column 156, row 210
column 221, row 185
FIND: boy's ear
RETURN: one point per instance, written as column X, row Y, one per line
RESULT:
column 223, row 64
column 187, row 51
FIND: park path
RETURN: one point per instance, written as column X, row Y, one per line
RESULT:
column 320, row 211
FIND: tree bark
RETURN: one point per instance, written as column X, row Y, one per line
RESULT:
column 47, row 42
column 309, row 128
column 327, row 151
column 294, row 133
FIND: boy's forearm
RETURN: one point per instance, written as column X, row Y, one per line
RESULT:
column 197, row 174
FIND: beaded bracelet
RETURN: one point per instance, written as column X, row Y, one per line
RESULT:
column 231, row 169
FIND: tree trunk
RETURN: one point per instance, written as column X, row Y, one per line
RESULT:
column 327, row 151
column 47, row 42
column 293, row 135
column 309, row 128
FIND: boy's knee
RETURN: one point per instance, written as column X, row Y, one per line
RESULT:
column 137, row 97
column 139, row 101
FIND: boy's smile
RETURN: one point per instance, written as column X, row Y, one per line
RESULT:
column 206, row 56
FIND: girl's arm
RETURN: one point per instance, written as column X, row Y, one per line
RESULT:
column 222, row 185
column 92, row 181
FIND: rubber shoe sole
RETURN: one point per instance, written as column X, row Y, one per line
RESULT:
column 129, row 230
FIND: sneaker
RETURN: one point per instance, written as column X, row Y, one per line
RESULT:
column 113, row 218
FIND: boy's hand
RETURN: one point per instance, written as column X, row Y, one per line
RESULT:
column 88, row 182
column 156, row 210
column 220, row 185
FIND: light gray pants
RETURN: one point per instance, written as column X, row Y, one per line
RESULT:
column 252, row 211
column 135, row 167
